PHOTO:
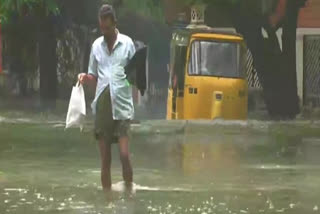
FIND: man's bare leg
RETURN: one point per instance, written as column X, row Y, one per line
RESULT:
column 105, row 153
column 126, row 163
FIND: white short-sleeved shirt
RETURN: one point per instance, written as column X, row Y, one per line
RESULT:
column 109, row 70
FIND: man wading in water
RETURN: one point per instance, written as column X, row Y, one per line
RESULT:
column 113, row 105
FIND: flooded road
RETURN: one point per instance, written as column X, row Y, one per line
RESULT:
column 179, row 167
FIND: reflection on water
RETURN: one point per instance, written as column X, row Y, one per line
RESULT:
column 179, row 167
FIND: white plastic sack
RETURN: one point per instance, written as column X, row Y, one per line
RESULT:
column 77, row 107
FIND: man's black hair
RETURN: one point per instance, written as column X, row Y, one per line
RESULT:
column 107, row 10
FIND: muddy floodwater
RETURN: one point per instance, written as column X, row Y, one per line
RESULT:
column 179, row 167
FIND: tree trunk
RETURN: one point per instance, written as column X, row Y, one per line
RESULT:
column 0, row 51
column 48, row 65
column 249, row 25
column 289, row 37
column 276, row 70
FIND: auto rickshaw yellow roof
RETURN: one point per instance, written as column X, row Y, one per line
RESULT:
column 205, row 32
column 217, row 36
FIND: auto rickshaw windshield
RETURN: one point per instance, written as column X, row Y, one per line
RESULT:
column 219, row 59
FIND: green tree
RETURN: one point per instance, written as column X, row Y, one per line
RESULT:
column 41, row 21
column 26, row 24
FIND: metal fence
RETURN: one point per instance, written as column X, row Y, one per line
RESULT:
column 312, row 70
column 252, row 76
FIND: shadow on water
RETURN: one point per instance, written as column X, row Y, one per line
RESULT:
column 179, row 167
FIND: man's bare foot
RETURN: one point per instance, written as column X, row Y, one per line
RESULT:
column 130, row 190
column 108, row 194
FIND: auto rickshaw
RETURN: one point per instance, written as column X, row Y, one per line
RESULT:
column 207, row 74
